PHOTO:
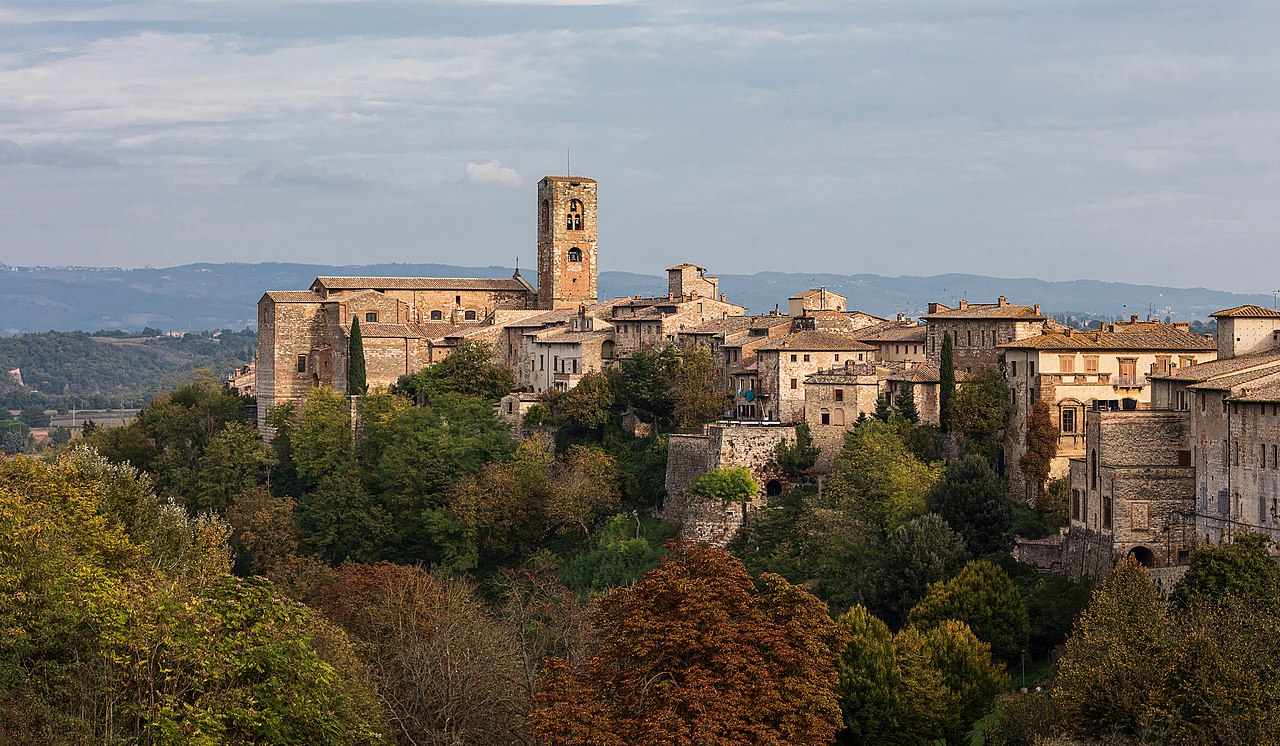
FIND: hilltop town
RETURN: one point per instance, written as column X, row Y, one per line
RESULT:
column 1168, row 439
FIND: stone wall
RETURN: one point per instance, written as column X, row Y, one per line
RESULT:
column 722, row 446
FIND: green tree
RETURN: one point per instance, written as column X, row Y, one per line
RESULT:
column 883, row 410
column 321, row 436
column 889, row 692
column 235, row 460
column 946, row 384
column 878, row 479
column 1109, row 676
column 1242, row 568
column 906, row 402
column 1041, row 446
column 585, row 484
column 589, row 405
column 355, row 360
column 698, row 389
column 979, row 415
column 646, row 384
column 34, row 416
column 983, row 597
column 619, row 554
column 976, row 503
column 470, row 370
column 798, row 456
column 916, row 554
column 341, row 521
column 970, row 677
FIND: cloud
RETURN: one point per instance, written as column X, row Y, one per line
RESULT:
column 302, row 175
column 492, row 172
column 51, row 154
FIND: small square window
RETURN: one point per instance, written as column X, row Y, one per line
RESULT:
column 302, row 363
column 806, row 358
column 839, row 395
column 371, row 317
column 793, row 358
column 794, row 384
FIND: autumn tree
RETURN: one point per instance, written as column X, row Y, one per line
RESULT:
column 445, row 665
column 983, row 597
column 1109, row 676
column 694, row 653
column 585, row 483
column 976, row 503
column 1041, row 446
column 355, row 360
column 946, row 384
column 698, row 389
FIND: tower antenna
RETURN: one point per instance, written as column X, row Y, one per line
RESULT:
column 567, row 170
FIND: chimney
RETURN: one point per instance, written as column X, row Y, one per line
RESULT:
column 1182, row 326
column 1037, row 307
column 1002, row 301
column 1133, row 318
column 934, row 307
column 902, row 316
column 964, row 303
column 723, row 298
column 1070, row 332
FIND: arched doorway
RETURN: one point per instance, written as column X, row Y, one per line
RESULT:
column 1145, row 556
column 773, row 488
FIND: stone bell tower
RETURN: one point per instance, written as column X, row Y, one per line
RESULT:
column 566, row 242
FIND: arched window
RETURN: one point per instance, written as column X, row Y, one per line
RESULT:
column 826, row 417
column 837, row 417
column 437, row 316
column 371, row 317
column 573, row 220
column 773, row 488
column 575, row 254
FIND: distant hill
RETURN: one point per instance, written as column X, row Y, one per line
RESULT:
column 195, row 297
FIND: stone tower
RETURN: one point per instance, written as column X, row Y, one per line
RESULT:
column 566, row 242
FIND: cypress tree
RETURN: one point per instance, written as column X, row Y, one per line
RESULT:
column 355, row 360
column 907, row 402
column 946, row 384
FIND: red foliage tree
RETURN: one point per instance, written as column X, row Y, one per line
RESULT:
column 694, row 654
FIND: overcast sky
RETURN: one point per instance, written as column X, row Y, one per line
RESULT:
column 1107, row 139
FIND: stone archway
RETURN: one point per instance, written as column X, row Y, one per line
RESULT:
column 773, row 488
column 1145, row 556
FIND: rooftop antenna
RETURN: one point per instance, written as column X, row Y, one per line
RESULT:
column 1275, row 299
column 567, row 171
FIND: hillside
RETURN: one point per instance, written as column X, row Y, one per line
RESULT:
column 61, row 370
column 211, row 296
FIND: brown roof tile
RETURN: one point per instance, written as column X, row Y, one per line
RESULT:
column 293, row 296
column 989, row 311
column 1129, row 336
column 1266, row 393
column 1205, row 371
column 816, row 340
column 1229, row 382
column 421, row 283
column 1248, row 311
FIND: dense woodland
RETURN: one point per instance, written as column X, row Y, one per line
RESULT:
column 109, row 369
column 420, row 577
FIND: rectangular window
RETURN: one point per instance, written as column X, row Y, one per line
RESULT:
column 371, row 317
column 793, row 358
column 1068, row 420
column 794, row 384
column 837, row 357
column 302, row 363
column 838, row 395
column 806, row 358
column 1226, row 455
column 1031, row 367
column 575, row 366
column 826, row 417
column 1128, row 371
column 1091, row 364
column 1163, row 364
column 1106, row 512
column 1013, row 369
column 1075, row 505
column 1066, row 363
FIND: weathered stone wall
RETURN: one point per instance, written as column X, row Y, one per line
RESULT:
column 723, row 446
column 563, row 283
column 974, row 340
column 1043, row 554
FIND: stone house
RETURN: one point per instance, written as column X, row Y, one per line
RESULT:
column 977, row 329
column 924, row 378
column 783, row 364
column 1073, row 371
column 901, row 340
column 833, row 401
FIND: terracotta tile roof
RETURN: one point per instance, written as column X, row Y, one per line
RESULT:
column 1205, row 371
column 816, row 340
column 736, row 324
column 1246, row 312
column 1269, row 392
column 1128, row 336
column 685, row 265
column 579, row 179
column 1229, row 382
column 421, row 283
column 293, row 296
column 815, row 291
column 988, row 311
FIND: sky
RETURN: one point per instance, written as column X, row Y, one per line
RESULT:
column 1121, row 140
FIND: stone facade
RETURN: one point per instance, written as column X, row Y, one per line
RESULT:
column 1073, row 371
column 784, row 364
column 566, row 242
column 977, row 329
column 818, row 299
column 722, row 445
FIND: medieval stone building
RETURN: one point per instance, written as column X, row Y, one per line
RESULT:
column 977, row 329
